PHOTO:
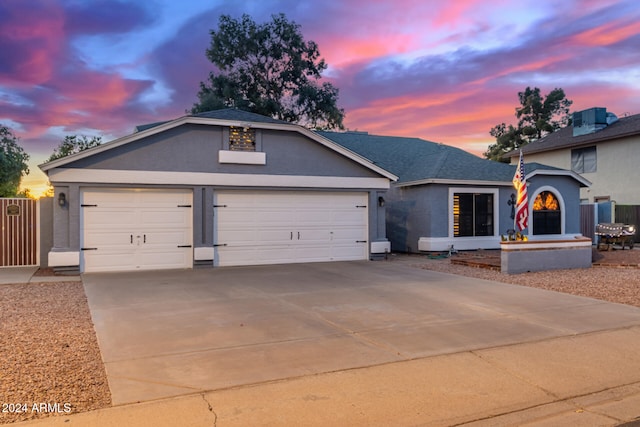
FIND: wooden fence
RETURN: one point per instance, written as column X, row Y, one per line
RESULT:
column 629, row 214
column 588, row 213
column 19, row 227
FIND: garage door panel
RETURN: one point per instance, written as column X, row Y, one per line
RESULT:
column 170, row 238
column 319, row 236
column 109, row 218
column 136, row 229
column 352, row 217
column 318, row 218
column 254, row 225
column 351, row 234
column 172, row 217
column 105, row 260
column 164, row 259
column 117, row 240
column 348, row 252
column 251, row 255
column 108, row 198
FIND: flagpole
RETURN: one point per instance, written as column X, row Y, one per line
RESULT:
column 515, row 217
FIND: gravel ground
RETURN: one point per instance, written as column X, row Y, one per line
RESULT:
column 49, row 353
column 616, row 279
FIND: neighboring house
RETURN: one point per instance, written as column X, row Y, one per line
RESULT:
column 448, row 197
column 601, row 148
column 220, row 188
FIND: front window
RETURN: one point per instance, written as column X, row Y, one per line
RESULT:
column 472, row 214
column 242, row 139
column 546, row 214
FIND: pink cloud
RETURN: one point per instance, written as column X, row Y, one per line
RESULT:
column 607, row 34
column 30, row 38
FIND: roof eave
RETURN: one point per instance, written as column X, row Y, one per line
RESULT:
column 454, row 182
column 555, row 147
column 562, row 172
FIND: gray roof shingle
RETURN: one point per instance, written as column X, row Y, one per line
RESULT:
column 232, row 114
column 238, row 115
column 414, row 159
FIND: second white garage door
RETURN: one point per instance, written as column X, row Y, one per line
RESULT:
column 277, row 227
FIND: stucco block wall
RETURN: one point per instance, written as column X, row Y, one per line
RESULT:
column 515, row 262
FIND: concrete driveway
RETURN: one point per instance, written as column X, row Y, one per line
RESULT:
column 170, row 333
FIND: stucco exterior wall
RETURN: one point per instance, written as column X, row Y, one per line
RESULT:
column 424, row 213
column 195, row 148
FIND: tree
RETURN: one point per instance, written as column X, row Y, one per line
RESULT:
column 73, row 144
column 13, row 163
column 268, row 69
column 537, row 116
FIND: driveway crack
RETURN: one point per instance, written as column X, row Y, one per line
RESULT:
column 215, row 416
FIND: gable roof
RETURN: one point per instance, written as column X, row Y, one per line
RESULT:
column 233, row 114
column 238, row 115
column 563, row 138
column 417, row 161
column 224, row 117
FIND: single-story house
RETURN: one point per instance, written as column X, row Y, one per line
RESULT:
column 221, row 188
column 601, row 148
column 446, row 197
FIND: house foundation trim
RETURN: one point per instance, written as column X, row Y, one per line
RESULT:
column 64, row 259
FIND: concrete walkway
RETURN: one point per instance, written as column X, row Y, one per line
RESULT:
column 10, row 275
column 585, row 380
column 357, row 344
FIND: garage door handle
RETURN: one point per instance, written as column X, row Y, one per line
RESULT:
column 88, row 249
column 298, row 235
column 184, row 246
column 291, row 238
column 361, row 241
column 220, row 244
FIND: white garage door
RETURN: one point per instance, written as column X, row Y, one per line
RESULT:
column 276, row 227
column 124, row 229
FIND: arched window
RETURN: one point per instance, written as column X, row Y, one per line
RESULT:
column 547, row 217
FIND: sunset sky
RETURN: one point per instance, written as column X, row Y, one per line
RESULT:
column 442, row 71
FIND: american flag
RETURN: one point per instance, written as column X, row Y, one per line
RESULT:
column 522, row 203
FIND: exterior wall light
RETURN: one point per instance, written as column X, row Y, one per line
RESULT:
column 381, row 201
column 62, row 199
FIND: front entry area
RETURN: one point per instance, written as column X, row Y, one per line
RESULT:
column 136, row 229
column 280, row 227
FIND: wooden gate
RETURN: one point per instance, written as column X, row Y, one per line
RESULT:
column 588, row 215
column 629, row 214
column 19, row 227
